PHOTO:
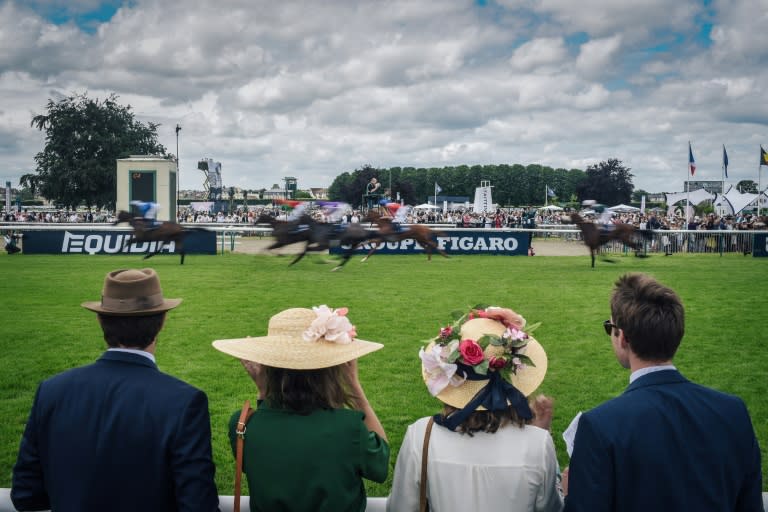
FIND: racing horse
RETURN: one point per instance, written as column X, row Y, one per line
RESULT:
column 316, row 236
column 388, row 232
column 165, row 232
column 594, row 237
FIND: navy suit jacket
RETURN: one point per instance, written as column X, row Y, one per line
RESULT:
column 666, row 444
column 116, row 435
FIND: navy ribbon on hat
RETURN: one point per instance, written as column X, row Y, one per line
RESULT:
column 497, row 395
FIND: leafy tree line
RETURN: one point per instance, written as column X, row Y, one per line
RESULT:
column 608, row 182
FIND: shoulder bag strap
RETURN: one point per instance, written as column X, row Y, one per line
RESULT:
column 240, row 432
column 423, row 505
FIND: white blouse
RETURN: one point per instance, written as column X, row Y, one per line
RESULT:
column 514, row 469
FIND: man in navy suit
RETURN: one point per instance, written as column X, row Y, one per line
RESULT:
column 665, row 444
column 118, row 434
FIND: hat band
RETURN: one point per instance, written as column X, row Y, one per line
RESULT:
column 497, row 395
column 132, row 304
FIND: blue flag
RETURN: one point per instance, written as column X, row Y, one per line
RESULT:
column 725, row 162
column 550, row 192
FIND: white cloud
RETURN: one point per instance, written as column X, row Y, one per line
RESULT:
column 539, row 52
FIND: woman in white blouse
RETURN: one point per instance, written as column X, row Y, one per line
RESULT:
column 490, row 448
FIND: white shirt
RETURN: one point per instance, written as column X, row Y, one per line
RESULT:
column 514, row 469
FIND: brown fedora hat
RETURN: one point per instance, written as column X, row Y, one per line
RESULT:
column 130, row 292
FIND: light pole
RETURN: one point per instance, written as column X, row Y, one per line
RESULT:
column 178, row 171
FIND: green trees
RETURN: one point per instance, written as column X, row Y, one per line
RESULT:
column 83, row 138
column 513, row 185
column 608, row 182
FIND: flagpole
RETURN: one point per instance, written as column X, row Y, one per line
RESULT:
column 546, row 195
column 722, row 175
column 759, row 181
column 688, row 188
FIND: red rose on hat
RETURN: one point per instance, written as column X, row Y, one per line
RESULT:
column 471, row 352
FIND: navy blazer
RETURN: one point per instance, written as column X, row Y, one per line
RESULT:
column 666, row 444
column 116, row 435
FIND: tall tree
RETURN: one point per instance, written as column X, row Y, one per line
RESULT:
column 608, row 182
column 83, row 139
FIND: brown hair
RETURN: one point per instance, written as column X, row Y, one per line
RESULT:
column 304, row 391
column 131, row 331
column 485, row 421
column 650, row 314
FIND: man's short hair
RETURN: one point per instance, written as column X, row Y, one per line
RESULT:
column 131, row 331
column 650, row 314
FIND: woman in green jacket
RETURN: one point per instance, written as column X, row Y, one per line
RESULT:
column 314, row 436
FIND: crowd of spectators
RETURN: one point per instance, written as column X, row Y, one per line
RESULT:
column 524, row 217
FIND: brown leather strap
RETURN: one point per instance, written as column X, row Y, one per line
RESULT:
column 424, row 455
column 240, row 432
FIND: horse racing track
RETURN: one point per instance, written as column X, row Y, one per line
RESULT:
column 398, row 300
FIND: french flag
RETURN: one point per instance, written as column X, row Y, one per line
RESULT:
column 691, row 161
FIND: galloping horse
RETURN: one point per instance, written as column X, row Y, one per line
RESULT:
column 595, row 238
column 316, row 236
column 164, row 232
column 417, row 232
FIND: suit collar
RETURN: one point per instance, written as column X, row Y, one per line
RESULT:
column 657, row 378
column 126, row 357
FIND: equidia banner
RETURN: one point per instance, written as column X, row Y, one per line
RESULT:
column 110, row 242
column 491, row 242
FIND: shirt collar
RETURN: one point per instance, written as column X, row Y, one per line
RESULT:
column 144, row 353
column 649, row 369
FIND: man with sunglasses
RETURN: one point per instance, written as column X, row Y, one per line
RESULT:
column 665, row 444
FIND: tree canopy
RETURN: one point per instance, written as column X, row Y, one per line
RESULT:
column 516, row 184
column 608, row 182
column 83, row 139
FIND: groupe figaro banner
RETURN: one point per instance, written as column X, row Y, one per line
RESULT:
column 110, row 242
column 491, row 242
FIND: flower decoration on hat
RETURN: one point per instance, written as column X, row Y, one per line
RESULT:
column 331, row 325
column 452, row 356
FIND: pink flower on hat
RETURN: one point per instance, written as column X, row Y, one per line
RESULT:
column 331, row 324
column 439, row 372
column 505, row 316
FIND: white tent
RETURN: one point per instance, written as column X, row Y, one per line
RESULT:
column 551, row 208
column 623, row 208
column 426, row 206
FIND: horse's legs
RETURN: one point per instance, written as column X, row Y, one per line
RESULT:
column 374, row 247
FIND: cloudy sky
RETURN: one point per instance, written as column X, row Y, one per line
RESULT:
column 312, row 89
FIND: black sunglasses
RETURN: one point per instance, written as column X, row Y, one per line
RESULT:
column 608, row 326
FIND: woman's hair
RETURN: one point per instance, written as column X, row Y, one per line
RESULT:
column 304, row 391
column 131, row 331
column 485, row 421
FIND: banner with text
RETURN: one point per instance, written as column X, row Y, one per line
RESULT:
column 491, row 242
column 760, row 249
column 110, row 242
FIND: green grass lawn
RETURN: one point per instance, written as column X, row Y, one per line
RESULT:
column 399, row 301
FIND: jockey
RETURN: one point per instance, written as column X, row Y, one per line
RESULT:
column 605, row 215
column 297, row 212
column 147, row 211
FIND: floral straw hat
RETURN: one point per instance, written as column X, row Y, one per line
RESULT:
column 485, row 360
column 302, row 339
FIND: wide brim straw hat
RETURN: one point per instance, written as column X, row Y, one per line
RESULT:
column 285, row 346
column 131, row 292
column 527, row 379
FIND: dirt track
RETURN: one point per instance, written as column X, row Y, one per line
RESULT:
column 549, row 247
